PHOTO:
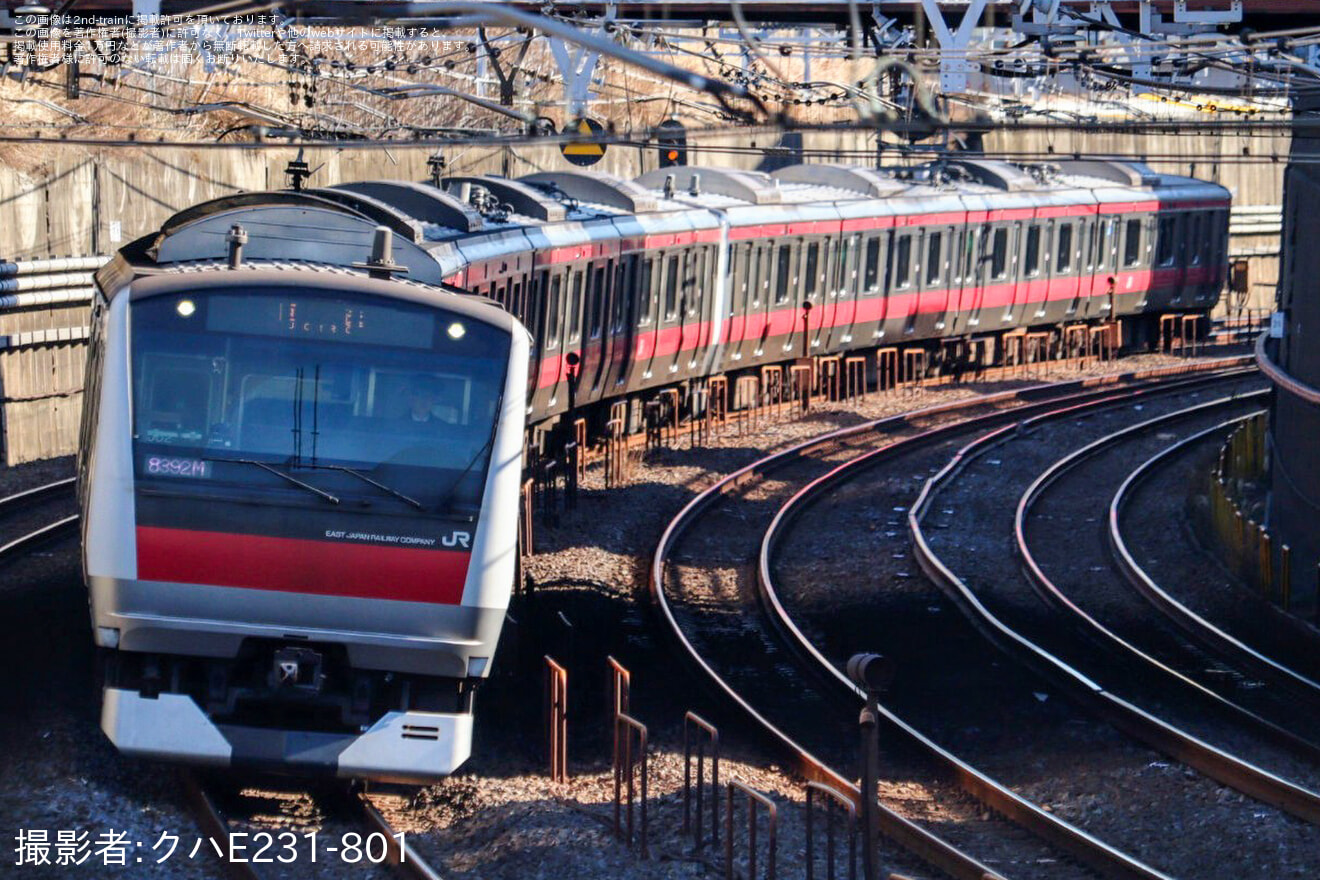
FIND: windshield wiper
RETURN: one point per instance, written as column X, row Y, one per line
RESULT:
column 453, row 487
column 366, row 479
column 281, row 474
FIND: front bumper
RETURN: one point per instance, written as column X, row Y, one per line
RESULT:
column 400, row 747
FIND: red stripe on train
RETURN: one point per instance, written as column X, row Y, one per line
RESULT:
column 298, row 565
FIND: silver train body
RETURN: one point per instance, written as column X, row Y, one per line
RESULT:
column 287, row 570
column 300, row 475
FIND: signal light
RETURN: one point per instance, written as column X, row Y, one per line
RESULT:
column 672, row 139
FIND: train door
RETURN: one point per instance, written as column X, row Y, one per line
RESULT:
column 650, row 269
column 844, row 287
column 671, row 315
column 900, row 293
column 1107, row 227
column 1066, row 269
column 534, row 318
column 781, row 316
column 815, row 258
column 1007, row 297
column 619, row 329
column 967, row 277
column 1030, row 274
column 1002, row 269
column 574, row 305
column 1165, row 277
column 756, row 327
column 990, row 275
column 735, row 321
column 871, row 301
column 597, row 344
column 552, row 361
column 698, row 295
column 1194, row 261
column 933, row 245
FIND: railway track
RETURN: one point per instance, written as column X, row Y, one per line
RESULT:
column 347, row 834
column 952, row 532
column 1132, row 701
column 36, row 516
column 736, row 639
column 1120, row 619
column 1285, row 663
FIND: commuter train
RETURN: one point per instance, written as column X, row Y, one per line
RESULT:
column 306, row 410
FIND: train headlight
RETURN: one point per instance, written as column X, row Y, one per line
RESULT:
column 185, row 308
column 457, row 330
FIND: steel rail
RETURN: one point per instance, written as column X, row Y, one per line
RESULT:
column 1280, row 377
column 214, row 825
column 402, row 856
column 1123, row 715
column 1096, row 853
column 36, row 492
column 907, row 833
column 45, row 533
column 1054, row 596
column 1194, row 625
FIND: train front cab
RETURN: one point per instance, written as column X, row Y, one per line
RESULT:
column 289, row 568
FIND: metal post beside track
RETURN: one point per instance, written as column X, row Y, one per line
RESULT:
column 834, row 802
column 712, row 736
column 557, row 719
column 855, row 379
column 620, row 688
column 627, row 730
column 754, row 798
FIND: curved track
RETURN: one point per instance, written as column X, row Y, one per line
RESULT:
column 1158, row 650
column 1005, row 618
column 1234, row 650
column 707, row 602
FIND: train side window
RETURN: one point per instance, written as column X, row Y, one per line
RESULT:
column 516, row 300
column 871, row 272
column 969, row 242
column 622, row 290
column 783, row 269
column 671, row 288
column 1196, row 240
column 1031, row 262
column 757, row 280
column 844, row 271
column 742, row 268
column 645, row 292
column 810, row 279
column 597, row 317
column 903, row 262
column 999, row 254
column 575, row 307
column 694, row 281
column 1064, row 252
column 1164, row 235
column 1132, row 243
column 553, row 312
column 934, row 253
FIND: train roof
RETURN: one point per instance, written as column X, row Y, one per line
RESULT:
column 438, row 229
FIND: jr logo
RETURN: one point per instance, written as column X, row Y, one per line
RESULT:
column 457, row 539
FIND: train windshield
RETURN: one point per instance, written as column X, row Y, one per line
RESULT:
column 350, row 396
